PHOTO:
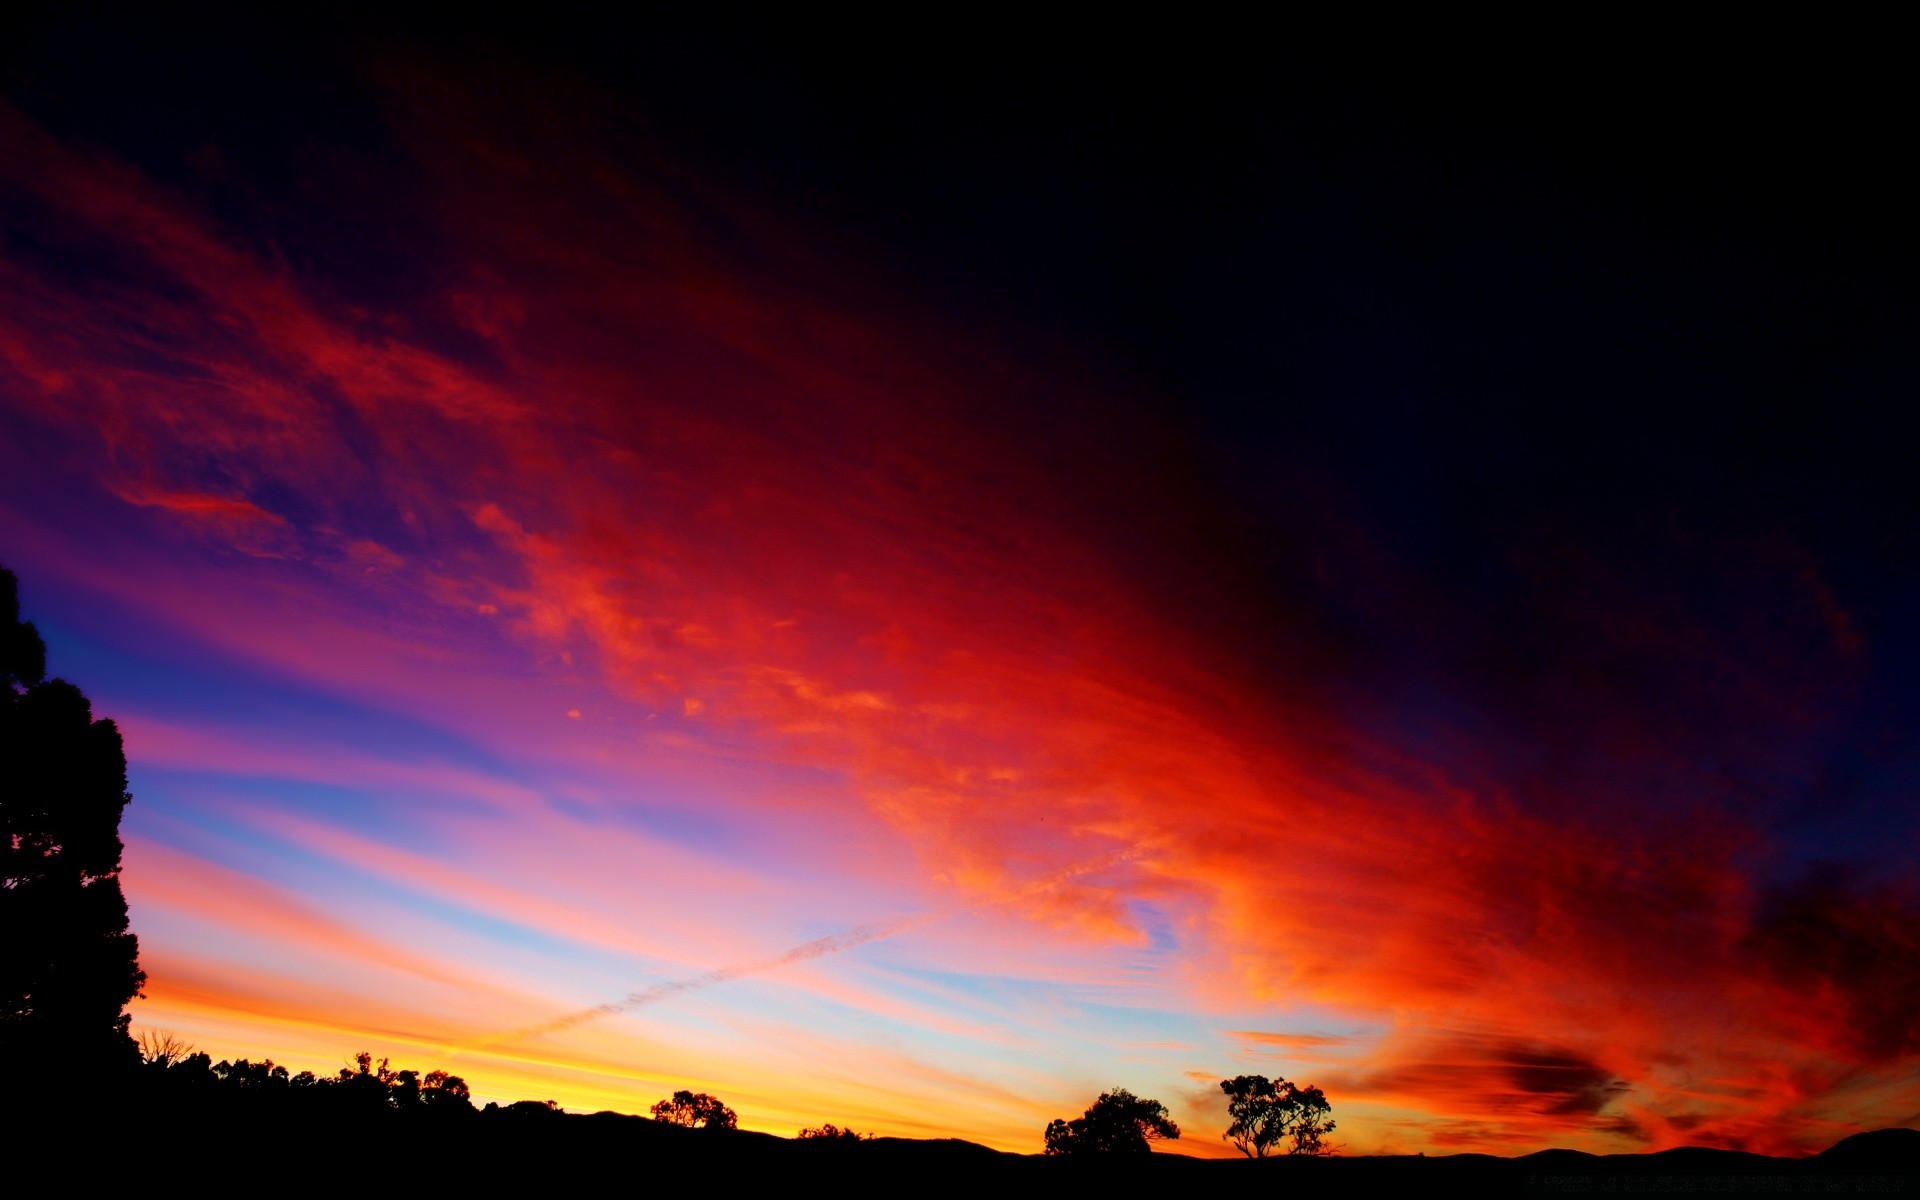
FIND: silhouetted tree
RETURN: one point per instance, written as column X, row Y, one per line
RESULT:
column 695, row 1110
column 195, row 1070
column 441, row 1092
column 404, row 1092
column 1119, row 1122
column 366, row 1083
column 251, row 1075
column 830, row 1132
column 374, row 1084
column 68, row 965
column 160, row 1050
column 1313, row 1124
column 1267, row 1113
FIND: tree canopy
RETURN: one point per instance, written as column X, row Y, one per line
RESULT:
column 68, row 964
column 695, row 1110
column 1270, row 1113
column 1119, row 1122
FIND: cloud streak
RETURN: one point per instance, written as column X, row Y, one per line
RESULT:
column 820, row 947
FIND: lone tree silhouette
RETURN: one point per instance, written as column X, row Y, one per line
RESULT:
column 695, row 1110
column 1119, row 1122
column 68, row 965
column 1267, row 1113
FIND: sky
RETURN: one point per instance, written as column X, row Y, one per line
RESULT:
column 909, row 589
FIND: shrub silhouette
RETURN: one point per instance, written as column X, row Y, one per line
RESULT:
column 68, row 964
column 695, row 1110
column 830, row 1132
column 1119, row 1122
column 1267, row 1113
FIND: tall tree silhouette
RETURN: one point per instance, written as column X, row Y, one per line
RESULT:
column 1266, row 1113
column 68, row 965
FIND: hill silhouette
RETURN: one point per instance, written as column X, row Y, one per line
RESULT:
column 1873, row 1151
column 259, row 1132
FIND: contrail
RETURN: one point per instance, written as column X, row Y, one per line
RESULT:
column 834, row 943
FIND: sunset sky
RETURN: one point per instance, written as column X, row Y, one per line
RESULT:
column 1011, row 567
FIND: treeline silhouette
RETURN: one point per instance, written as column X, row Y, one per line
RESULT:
column 368, row 1121
column 171, row 1071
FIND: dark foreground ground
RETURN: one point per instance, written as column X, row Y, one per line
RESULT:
column 234, row 1147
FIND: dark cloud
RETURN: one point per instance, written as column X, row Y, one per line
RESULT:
column 1853, row 942
column 1493, row 1075
column 1575, row 1085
